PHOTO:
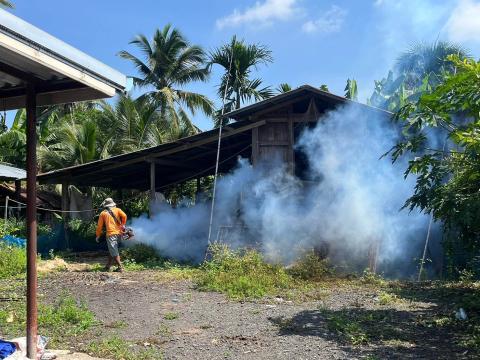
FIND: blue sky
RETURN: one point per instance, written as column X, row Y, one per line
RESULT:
column 313, row 41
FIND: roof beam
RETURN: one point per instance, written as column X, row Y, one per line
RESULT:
column 19, row 74
column 185, row 146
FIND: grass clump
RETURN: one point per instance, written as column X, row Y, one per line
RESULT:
column 13, row 260
column 64, row 319
column 349, row 328
column 170, row 316
column 385, row 298
column 117, row 348
column 370, row 278
column 241, row 274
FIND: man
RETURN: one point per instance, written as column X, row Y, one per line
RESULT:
column 114, row 220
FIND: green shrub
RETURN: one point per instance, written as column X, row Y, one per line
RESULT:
column 17, row 227
column 60, row 321
column 311, row 267
column 117, row 348
column 13, row 260
column 241, row 274
column 67, row 315
column 82, row 230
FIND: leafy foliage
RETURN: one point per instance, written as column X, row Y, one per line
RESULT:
column 13, row 260
column 418, row 70
column 283, row 88
column 351, row 90
column 241, row 274
column 441, row 130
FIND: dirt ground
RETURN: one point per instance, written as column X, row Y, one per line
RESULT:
column 189, row 324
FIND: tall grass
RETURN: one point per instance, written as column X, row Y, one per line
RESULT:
column 13, row 260
column 242, row 274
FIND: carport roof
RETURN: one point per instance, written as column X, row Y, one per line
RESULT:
column 59, row 72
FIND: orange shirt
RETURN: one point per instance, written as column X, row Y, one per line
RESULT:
column 113, row 228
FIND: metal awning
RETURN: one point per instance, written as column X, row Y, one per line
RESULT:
column 37, row 69
column 9, row 173
column 61, row 73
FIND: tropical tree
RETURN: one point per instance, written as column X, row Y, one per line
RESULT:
column 238, row 59
column 420, row 69
column 132, row 124
column 324, row 87
column 13, row 142
column 283, row 88
column 427, row 63
column 351, row 90
column 74, row 139
column 448, row 175
column 167, row 64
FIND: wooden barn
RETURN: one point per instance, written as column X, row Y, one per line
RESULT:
column 260, row 131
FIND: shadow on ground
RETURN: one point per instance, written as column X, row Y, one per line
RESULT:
column 382, row 333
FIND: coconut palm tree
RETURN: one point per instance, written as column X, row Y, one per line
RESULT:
column 423, row 60
column 238, row 59
column 418, row 70
column 167, row 64
column 283, row 88
column 74, row 142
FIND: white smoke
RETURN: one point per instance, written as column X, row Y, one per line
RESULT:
column 353, row 200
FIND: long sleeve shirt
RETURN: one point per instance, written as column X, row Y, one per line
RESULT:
column 113, row 228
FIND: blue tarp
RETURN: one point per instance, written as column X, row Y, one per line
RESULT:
column 12, row 240
column 7, row 348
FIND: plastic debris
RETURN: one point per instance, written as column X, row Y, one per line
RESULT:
column 21, row 343
column 13, row 240
column 461, row 314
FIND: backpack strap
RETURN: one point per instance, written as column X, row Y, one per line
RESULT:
column 113, row 215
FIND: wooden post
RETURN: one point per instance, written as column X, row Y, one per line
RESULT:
column 65, row 208
column 152, row 186
column 255, row 149
column 6, row 209
column 32, row 325
column 18, row 190
column 198, row 189
column 291, row 144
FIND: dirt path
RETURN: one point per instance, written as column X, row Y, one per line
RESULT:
column 188, row 324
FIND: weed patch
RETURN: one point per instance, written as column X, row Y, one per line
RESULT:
column 117, row 348
column 242, row 274
column 170, row 316
column 64, row 319
column 13, row 260
column 385, row 298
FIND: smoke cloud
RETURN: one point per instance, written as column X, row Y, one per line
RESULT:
column 351, row 201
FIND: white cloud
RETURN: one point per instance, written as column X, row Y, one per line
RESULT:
column 331, row 21
column 262, row 13
column 464, row 22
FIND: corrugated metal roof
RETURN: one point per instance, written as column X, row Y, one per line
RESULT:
column 58, row 72
column 11, row 173
column 295, row 93
column 32, row 35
